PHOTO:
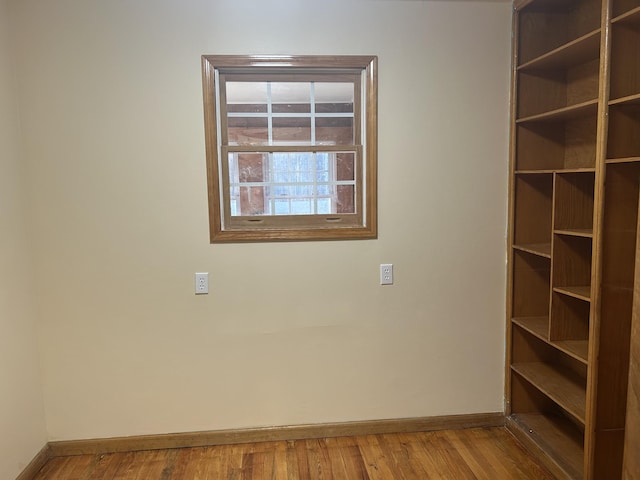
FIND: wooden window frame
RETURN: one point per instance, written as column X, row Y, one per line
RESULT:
column 359, row 225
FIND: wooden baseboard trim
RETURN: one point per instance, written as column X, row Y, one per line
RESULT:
column 36, row 464
column 293, row 432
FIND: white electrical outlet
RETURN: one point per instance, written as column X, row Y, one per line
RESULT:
column 202, row 283
column 386, row 274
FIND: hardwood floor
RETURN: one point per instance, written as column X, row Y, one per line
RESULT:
column 490, row 453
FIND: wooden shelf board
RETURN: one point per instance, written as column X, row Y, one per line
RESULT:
column 540, row 249
column 576, row 52
column 557, row 383
column 623, row 160
column 632, row 17
column 578, row 349
column 533, row 172
column 628, row 100
column 538, row 326
column 582, row 292
column 576, row 232
column 573, row 111
column 560, row 440
column 556, row 170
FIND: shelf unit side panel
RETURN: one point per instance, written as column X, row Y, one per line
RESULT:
column 631, row 463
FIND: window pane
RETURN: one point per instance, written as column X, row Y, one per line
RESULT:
column 251, row 201
column 322, row 176
column 301, row 207
column 334, row 130
column 324, row 206
column 291, row 97
column 247, row 97
column 291, row 130
column 251, row 167
column 346, row 199
column 334, row 93
column 282, row 207
column 247, row 130
column 324, row 190
column 345, row 166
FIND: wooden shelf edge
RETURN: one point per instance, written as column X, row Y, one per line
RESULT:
column 556, row 170
column 622, row 160
column 575, row 232
column 578, row 292
column 525, row 429
column 635, row 12
column 572, row 111
column 628, row 99
column 539, row 249
column 569, row 347
column 557, row 385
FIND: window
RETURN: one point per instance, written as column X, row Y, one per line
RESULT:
column 291, row 147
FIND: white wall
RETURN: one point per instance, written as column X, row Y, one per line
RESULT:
column 111, row 104
column 22, row 424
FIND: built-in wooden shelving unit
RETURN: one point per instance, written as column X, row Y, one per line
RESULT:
column 575, row 176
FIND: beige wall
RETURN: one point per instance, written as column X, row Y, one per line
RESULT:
column 111, row 105
column 22, row 425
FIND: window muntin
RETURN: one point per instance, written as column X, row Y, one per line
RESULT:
column 294, row 151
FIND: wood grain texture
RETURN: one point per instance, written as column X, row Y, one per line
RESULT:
column 292, row 432
column 560, row 385
column 490, row 454
column 631, row 461
column 553, row 441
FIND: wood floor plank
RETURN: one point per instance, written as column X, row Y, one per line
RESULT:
column 352, row 459
column 280, row 463
column 427, row 454
column 378, row 464
column 515, row 458
column 318, row 459
column 53, row 468
column 491, row 454
column 292, row 461
column 454, row 457
column 475, row 458
column 338, row 466
column 399, row 452
column 302, row 461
